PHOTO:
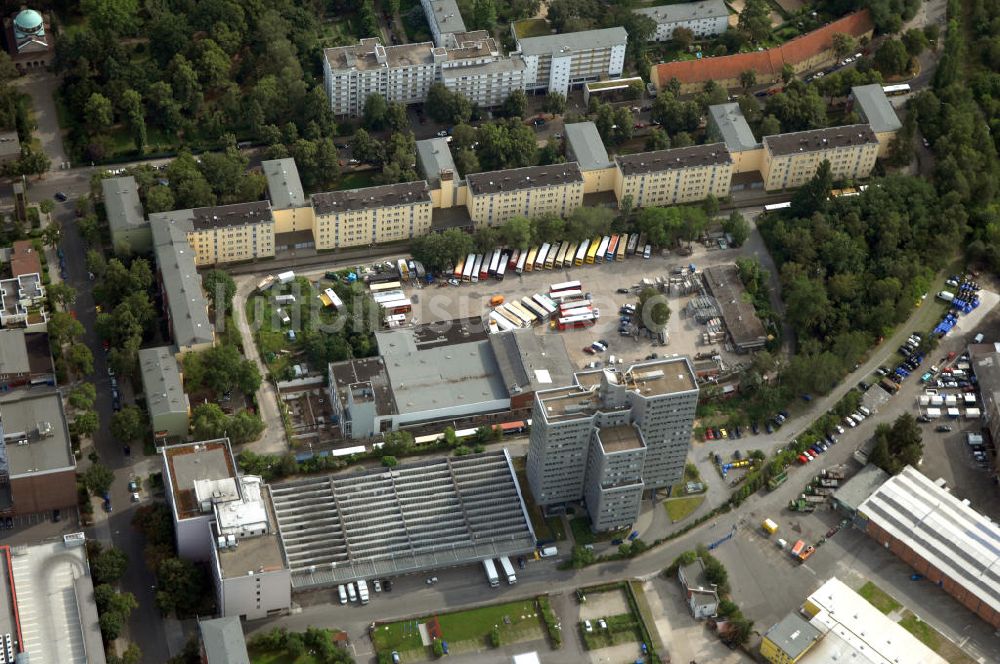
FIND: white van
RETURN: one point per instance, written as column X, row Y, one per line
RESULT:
column 865, row 411
column 350, row 591
column 342, row 591
column 549, row 551
column 363, row 591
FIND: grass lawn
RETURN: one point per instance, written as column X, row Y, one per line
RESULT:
column 582, row 534
column 878, row 598
column 681, row 508
column 933, row 639
column 545, row 529
column 356, row 180
column 532, row 27
column 621, row 629
column 523, row 622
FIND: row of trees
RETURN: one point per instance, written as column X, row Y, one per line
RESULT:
column 107, row 567
column 122, row 288
column 316, row 642
column 897, row 445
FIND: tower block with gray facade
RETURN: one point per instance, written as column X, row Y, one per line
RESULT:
column 610, row 436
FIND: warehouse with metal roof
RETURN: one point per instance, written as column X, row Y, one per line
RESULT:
column 412, row 518
column 941, row 537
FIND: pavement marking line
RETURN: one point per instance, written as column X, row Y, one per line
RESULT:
column 808, row 569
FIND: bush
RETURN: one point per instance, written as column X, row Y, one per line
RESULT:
column 495, row 640
column 437, row 648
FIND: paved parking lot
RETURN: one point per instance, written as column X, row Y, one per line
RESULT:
column 602, row 605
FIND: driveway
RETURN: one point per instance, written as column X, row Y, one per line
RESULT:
column 273, row 440
column 41, row 87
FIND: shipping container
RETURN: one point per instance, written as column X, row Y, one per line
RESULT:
column 403, row 306
column 770, row 527
column 404, row 271
column 797, row 548
column 579, row 311
column 508, row 570
column 581, row 253
column 514, row 256
column 502, row 323
column 484, row 269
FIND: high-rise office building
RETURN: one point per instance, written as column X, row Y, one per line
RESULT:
column 610, row 436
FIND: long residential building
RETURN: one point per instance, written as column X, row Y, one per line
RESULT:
column 358, row 217
column 472, row 65
column 611, row 435
column 445, row 21
column 184, row 301
column 496, row 196
column 557, row 63
column 679, row 175
column 791, row 160
column 126, row 219
column 703, row 19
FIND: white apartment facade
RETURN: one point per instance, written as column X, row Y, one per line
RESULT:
column 557, row 63
column 703, row 19
column 404, row 73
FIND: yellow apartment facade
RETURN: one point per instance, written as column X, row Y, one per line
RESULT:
column 791, row 160
column 494, row 197
column 669, row 177
column 359, row 217
column 231, row 233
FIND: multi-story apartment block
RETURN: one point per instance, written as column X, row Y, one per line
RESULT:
column 230, row 233
column 874, row 107
column 705, row 18
column 180, row 285
column 556, row 63
column 610, row 436
column 359, row 217
column 473, row 65
column 790, row 160
column 129, row 229
column 445, row 20
column 668, row 177
column 496, row 196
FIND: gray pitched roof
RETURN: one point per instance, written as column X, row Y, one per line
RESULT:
column 434, row 156
column 175, row 259
column 161, row 381
column 686, row 11
column 585, row 145
column 874, row 107
column 121, row 200
column 732, row 127
column 283, row 184
column 223, row 641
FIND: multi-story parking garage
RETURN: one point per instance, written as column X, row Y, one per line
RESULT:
column 413, row 518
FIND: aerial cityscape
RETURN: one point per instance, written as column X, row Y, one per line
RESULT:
column 505, row 331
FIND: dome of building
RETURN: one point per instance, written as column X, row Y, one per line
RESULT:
column 28, row 20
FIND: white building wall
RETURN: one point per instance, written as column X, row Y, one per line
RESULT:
column 462, row 410
column 559, row 74
column 616, row 63
column 194, row 537
column 531, row 71
column 239, row 594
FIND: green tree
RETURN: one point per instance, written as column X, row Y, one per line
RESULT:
column 128, row 424
column 755, row 20
column 748, row 79
column 657, row 139
column 390, row 461
column 98, row 113
column 63, row 328
column 515, row 105
column 80, row 360
column 367, row 148
column 108, row 566
column 61, row 294
column 111, row 625
column 86, row 423
column 220, row 287
column 892, row 58
column 581, row 557
column 82, row 396
column 182, row 586
column 737, row 227
column 653, row 309
column 132, row 109
column 98, row 479
column 916, row 41
column 682, row 38
column 118, row 17
column 221, row 369
column 208, row 421
column 787, row 73
column 159, row 199
column 516, row 232
column 843, row 45
column 554, row 103
column 445, row 106
column 484, row 15
column 376, row 110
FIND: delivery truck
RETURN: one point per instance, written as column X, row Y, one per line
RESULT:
column 508, row 570
column 770, row 527
column 286, row 277
column 491, row 573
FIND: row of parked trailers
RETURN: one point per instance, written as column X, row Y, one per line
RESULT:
column 565, row 304
column 495, row 264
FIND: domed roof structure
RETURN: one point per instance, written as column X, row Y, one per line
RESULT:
column 28, row 20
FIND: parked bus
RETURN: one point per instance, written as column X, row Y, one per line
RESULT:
column 896, row 90
column 581, row 252
column 470, row 264
column 633, row 243
column 546, row 303
column 392, row 307
column 511, row 318
column 494, row 263
column 562, row 296
column 385, row 286
column 529, row 264
column 612, row 249
column 574, row 304
column 484, row 269
column 641, row 244
column 387, row 296
column 477, row 268
column 459, row 269
column 514, row 256
column 592, row 250
column 540, row 256
column 797, row 548
column 502, row 267
column 521, row 311
column 522, row 257
column 558, row 259
column 777, row 206
column 512, row 428
column 404, row 272
column 572, row 323
column 570, row 254
column 565, row 285
column 534, row 308
column 602, row 249
column 622, row 246
column 580, row 311
column 503, row 324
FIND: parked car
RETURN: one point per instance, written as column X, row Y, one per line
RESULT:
column 61, row 197
column 943, row 428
